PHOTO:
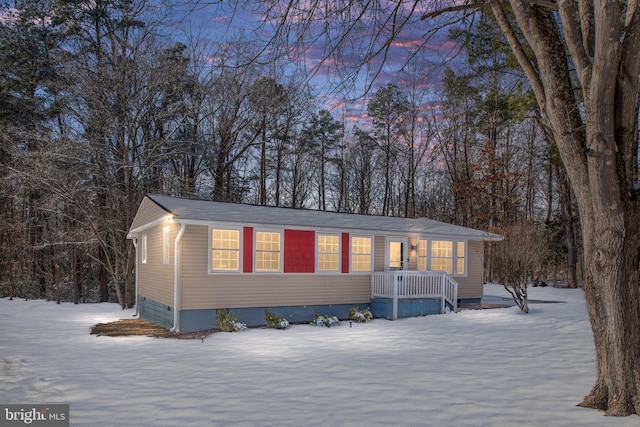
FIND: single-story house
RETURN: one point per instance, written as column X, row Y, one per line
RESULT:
column 194, row 257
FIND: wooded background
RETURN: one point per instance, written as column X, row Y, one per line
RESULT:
column 100, row 104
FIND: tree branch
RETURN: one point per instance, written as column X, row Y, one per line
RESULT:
column 452, row 9
column 549, row 4
column 520, row 54
column 576, row 35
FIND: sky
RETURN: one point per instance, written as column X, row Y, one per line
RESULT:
column 496, row 367
column 335, row 89
column 338, row 92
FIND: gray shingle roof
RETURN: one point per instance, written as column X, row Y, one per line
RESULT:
column 252, row 215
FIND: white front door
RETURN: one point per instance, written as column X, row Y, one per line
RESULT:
column 396, row 250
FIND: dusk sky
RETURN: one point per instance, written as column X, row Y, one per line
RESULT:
column 402, row 63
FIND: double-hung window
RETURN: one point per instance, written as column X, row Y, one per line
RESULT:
column 225, row 250
column 361, row 251
column 448, row 256
column 328, row 252
column 460, row 258
column 422, row 255
column 267, row 251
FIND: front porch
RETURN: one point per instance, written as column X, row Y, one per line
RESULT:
column 402, row 293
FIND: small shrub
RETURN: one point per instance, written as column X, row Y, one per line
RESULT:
column 524, row 249
column 227, row 323
column 358, row 315
column 325, row 320
column 274, row 321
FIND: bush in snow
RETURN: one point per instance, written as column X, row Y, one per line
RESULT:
column 272, row 320
column 325, row 320
column 358, row 315
column 524, row 249
column 227, row 323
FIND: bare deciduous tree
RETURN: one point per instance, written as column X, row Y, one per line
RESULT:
column 514, row 259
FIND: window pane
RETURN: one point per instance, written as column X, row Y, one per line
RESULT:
column 267, row 241
column 267, row 261
column 361, row 263
column 361, row 245
column 226, row 239
column 442, row 264
column 143, row 251
column 441, row 248
column 395, row 255
column 328, row 262
column 328, row 244
column 224, row 260
column 422, row 248
column 422, row 255
column 460, row 262
column 225, row 253
column 442, row 256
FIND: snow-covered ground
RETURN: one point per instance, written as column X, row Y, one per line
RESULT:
column 493, row 367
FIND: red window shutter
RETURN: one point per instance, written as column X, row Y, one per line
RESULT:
column 299, row 251
column 247, row 249
column 345, row 252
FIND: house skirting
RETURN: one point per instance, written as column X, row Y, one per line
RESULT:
column 410, row 307
column 383, row 307
column 155, row 312
column 199, row 320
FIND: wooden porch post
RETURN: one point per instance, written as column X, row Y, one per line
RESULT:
column 443, row 291
column 395, row 296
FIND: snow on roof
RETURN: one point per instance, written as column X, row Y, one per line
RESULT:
column 204, row 210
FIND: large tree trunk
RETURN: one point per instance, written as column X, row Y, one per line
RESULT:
column 568, row 224
column 613, row 299
column 600, row 154
column 612, row 242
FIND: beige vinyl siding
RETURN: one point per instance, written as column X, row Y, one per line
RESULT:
column 264, row 290
column 412, row 254
column 155, row 277
column 379, row 251
column 148, row 212
column 471, row 285
column 201, row 290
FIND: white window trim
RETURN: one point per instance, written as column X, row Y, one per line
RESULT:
column 464, row 256
column 255, row 251
column 405, row 251
column 210, row 249
column 371, row 254
column 317, row 253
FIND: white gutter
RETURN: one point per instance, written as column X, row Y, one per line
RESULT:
column 135, row 246
column 176, row 276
